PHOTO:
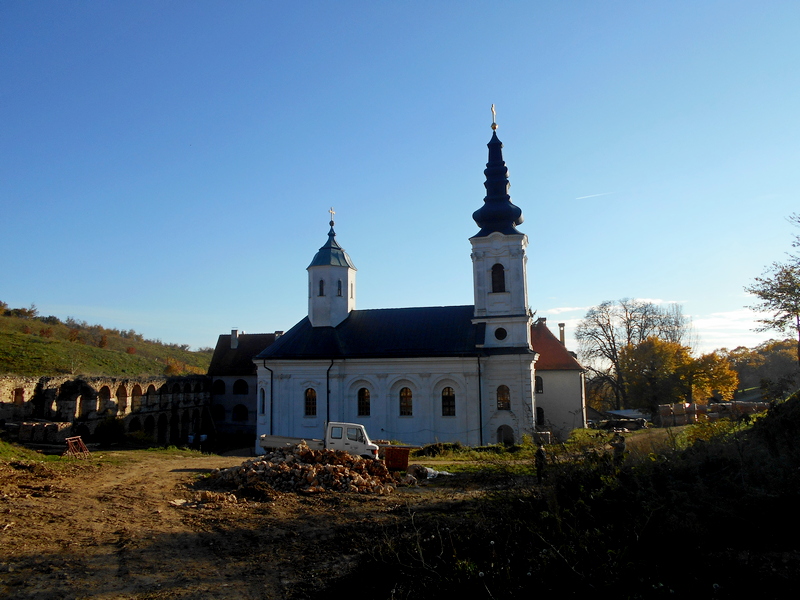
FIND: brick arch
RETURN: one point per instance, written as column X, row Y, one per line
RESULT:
column 103, row 399
column 136, row 398
column 122, row 399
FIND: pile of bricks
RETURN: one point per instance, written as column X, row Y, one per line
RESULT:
column 301, row 469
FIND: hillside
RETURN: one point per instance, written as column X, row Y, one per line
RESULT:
column 34, row 346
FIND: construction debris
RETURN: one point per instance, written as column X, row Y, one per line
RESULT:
column 422, row 473
column 301, row 469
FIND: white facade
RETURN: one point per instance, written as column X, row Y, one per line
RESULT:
column 560, row 404
column 471, row 417
column 438, row 374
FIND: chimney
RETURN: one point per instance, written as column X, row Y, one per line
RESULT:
column 234, row 339
column 561, row 333
column 278, row 334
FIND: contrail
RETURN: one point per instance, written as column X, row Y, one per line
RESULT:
column 594, row 196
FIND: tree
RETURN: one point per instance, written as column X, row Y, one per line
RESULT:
column 778, row 293
column 650, row 372
column 766, row 364
column 611, row 326
column 659, row 371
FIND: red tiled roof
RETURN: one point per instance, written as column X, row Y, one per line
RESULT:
column 552, row 353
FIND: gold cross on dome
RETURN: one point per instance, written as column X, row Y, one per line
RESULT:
column 494, row 119
column 333, row 212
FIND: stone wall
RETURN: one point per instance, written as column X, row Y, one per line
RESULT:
column 162, row 409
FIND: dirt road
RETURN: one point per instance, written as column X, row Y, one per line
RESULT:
column 113, row 528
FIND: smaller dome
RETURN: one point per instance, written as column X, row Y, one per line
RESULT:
column 332, row 254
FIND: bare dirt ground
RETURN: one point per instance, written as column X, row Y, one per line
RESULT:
column 110, row 528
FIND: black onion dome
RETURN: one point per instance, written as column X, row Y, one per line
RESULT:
column 332, row 254
column 498, row 212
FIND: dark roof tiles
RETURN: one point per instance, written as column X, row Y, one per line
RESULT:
column 385, row 333
column 239, row 360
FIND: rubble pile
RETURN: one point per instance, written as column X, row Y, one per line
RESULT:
column 301, row 469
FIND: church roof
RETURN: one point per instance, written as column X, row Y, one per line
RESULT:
column 553, row 356
column 386, row 333
column 239, row 360
column 498, row 213
column 332, row 254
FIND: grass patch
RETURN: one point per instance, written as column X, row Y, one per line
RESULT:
column 14, row 452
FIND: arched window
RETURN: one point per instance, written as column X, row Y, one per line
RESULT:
column 218, row 389
column 539, row 416
column 498, row 278
column 311, row 403
column 538, row 385
column 239, row 413
column 339, row 288
column 321, row 287
column 448, row 402
column 406, row 408
column 363, row 402
column 240, row 387
column 263, row 398
column 503, row 398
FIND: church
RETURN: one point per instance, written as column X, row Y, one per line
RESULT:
column 477, row 374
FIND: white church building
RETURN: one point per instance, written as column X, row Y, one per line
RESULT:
column 478, row 374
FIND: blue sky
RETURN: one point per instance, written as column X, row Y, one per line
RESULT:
column 168, row 166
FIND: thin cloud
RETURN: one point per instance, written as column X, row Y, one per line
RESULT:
column 595, row 195
column 563, row 309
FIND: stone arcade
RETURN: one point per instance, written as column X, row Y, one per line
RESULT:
column 422, row 375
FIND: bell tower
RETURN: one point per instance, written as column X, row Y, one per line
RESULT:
column 499, row 262
column 331, row 284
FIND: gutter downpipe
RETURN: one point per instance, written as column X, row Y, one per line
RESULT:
column 328, row 394
column 271, row 391
column 480, row 401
